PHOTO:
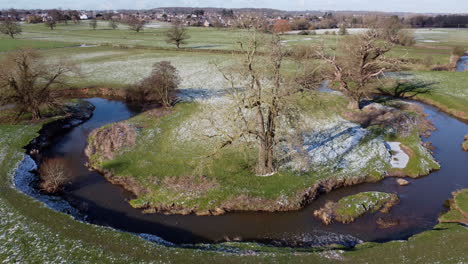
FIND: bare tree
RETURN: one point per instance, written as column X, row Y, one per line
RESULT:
column 26, row 81
column 159, row 86
column 357, row 63
column 93, row 24
column 50, row 23
column 262, row 94
column 177, row 34
column 10, row 27
column 113, row 23
column 54, row 175
column 135, row 24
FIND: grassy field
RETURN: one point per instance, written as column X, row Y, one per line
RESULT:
column 26, row 232
column 151, row 36
column 447, row 90
column 7, row 44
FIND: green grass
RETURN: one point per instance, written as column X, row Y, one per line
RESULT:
column 8, row 44
column 443, row 37
column 32, row 233
column 351, row 207
column 421, row 162
column 200, row 37
column 458, row 212
column 448, row 90
column 461, row 201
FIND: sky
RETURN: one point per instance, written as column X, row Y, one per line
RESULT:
column 421, row 6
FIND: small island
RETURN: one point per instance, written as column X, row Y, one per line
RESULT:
column 349, row 208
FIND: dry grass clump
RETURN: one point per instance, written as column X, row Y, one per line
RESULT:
column 54, row 175
column 465, row 143
column 109, row 140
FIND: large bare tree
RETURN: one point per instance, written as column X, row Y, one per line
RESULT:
column 177, row 34
column 10, row 27
column 357, row 63
column 261, row 91
column 26, row 81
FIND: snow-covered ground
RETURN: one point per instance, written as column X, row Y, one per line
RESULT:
column 399, row 158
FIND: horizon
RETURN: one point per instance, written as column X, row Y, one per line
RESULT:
column 401, row 6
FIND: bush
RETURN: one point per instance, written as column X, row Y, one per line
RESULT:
column 54, row 175
column 458, row 51
column 158, row 87
column 303, row 52
column 405, row 38
column 303, row 33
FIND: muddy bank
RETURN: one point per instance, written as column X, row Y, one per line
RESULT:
column 88, row 92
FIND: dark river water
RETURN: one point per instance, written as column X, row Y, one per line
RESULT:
column 463, row 63
column 421, row 202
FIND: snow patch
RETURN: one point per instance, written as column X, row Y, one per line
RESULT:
column 399, row 158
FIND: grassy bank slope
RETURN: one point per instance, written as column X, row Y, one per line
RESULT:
column 448, row 90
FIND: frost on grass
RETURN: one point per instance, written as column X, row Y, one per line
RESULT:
column 195, row 72
column 332, row 141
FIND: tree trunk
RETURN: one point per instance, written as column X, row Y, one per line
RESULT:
column 265, row 165
column 178, row 45
column 36, row 114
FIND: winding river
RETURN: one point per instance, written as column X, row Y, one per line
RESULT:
column 421, row 202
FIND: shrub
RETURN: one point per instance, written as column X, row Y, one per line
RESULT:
column 405, row 38
column 303, row 33
column 54, row 175
column 458, row 51
column 158, row 87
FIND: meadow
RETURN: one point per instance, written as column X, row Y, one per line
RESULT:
column 122, row 57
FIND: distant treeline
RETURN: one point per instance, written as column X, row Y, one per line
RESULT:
column 447, row 21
